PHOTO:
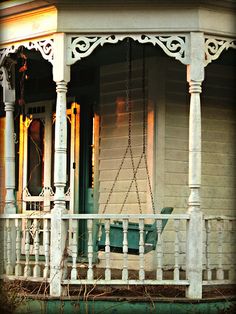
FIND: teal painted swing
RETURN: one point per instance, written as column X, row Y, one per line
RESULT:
column 116, row 228
column 116, row 235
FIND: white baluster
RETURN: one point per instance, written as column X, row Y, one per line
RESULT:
column 219, row 271
column 36, row 271
column 9, row 268
column 208, row 260
column 107, row 250
column 18, row 268
column 2, row 246
column 74, row 245
column 46, row 239
column 125, row 250
column 176, row 267
column 159, row 272
column 90, row 249
column 232, row 270
column 141, row 250
column 27, row 248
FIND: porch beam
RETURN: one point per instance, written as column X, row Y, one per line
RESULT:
column 195, row 76
column 59, row 227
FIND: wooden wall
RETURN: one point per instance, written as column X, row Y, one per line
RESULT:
column 114, row 139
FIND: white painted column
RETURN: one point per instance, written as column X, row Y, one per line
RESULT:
column 59, row 227
column 10, row 199
column 195, row 76
column 9, row 101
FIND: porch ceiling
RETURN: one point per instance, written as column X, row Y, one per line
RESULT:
column 22, row 20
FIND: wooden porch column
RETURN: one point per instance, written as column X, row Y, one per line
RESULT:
column 9, row 101
column 59, row 227
column 195, row 76
column 10, row 199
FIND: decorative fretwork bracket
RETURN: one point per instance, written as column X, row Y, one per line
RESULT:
column 44, row 46
column 82, row 46
column 215, row 46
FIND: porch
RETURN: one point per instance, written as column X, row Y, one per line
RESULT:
column 76, row 120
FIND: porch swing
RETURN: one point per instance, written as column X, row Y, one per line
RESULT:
column 116, row 227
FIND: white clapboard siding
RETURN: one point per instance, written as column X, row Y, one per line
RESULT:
column 176, row 138
column 114, row 138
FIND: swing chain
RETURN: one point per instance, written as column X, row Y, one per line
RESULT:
column 145, row 130
column 129, row 146
column 128, row 106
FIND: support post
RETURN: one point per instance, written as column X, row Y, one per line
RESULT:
column 8, row 71
column 59, row 227
column 195, row 76
column 9, row 101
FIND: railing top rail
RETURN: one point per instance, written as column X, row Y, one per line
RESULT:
column 125, row 216
column 96, row 216
column 26, row 216
column 184, row 216
column 218, row 217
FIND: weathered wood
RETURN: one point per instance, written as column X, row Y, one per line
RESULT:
column 36, row 269
column 27, row 271
column 220, row 235
column 207, row 250
column 141, row 250
column 18, row 267
column 74, row 249
column 125, row 250
column 90, row 249
column 9, row 266
column 159, row 251
column 59, row 227
column 177, row 247
column 46, row 240
column 107, row 250
column 195, row 76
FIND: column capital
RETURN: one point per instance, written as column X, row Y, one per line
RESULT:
column 61, row 71
column 195, row 68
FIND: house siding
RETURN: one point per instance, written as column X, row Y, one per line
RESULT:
column 114, row 139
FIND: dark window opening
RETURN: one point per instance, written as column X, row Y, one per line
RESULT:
column 35, row 157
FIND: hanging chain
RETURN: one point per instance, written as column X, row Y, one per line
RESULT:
column 128, row 106
column 145, row 130
column 134, row 179
column 129, row 146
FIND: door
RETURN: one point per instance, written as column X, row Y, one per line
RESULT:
column 87, row 173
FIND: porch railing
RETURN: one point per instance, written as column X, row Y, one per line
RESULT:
column 28, row 247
